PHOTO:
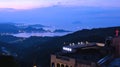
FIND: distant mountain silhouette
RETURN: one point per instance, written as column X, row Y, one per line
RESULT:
column 96, row 34
column 8, row 28
column 31, row 29
column 61, row 31
column 9, row 38
column 37, row 26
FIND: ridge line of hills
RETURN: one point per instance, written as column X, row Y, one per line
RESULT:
column 24, row 28
column 39, row 49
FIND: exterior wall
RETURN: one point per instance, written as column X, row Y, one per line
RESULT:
column 58, row 62
column 86, row 64
column 66, row 63
column 83, row 65
column 116, row 44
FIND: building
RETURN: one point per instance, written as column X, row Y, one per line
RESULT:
column 88, row 54
column 81, row 55
column 116, row 45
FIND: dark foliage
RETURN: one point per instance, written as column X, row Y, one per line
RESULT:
column 37, row 50
column 8, row 61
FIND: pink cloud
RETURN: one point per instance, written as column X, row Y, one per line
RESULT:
column 29, row 4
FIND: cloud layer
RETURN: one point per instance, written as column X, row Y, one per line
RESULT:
column 29, row 4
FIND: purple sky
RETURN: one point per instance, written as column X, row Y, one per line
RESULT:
column 30, row 4
column 67, row 14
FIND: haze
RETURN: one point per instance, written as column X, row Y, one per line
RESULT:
column 66, row 14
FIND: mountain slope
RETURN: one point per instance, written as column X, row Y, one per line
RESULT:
column 42, row 48
column 39, row 49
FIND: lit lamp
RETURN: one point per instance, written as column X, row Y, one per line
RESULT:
column 117, row 32
column 81, row 42
column 70, row 44
column 73, row 44
column 87, row 42
column 78, row 43
column 34, row 66
column 67, row 49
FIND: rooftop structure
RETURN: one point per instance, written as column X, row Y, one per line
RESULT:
column 76, row 47
column 87, row 54
column 77, row 55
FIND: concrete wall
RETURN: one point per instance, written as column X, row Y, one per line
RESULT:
column 116, row 44
column 69, row 63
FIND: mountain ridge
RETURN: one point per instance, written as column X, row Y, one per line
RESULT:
column 39, row 49
column 8, row 28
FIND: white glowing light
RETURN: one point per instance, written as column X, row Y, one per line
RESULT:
column 67, row 49
column 100, row 44
column 35, row 66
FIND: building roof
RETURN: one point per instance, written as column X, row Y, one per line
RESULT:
column 90, row 55
column 75, row 46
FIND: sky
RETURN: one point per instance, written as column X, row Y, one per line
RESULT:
column 28, row 4
column 67, row 14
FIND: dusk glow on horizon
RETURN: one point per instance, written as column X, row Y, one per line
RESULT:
column 77, row 14
column 59, row 33
column 30, row 4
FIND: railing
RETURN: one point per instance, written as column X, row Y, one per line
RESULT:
column 103, row 60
